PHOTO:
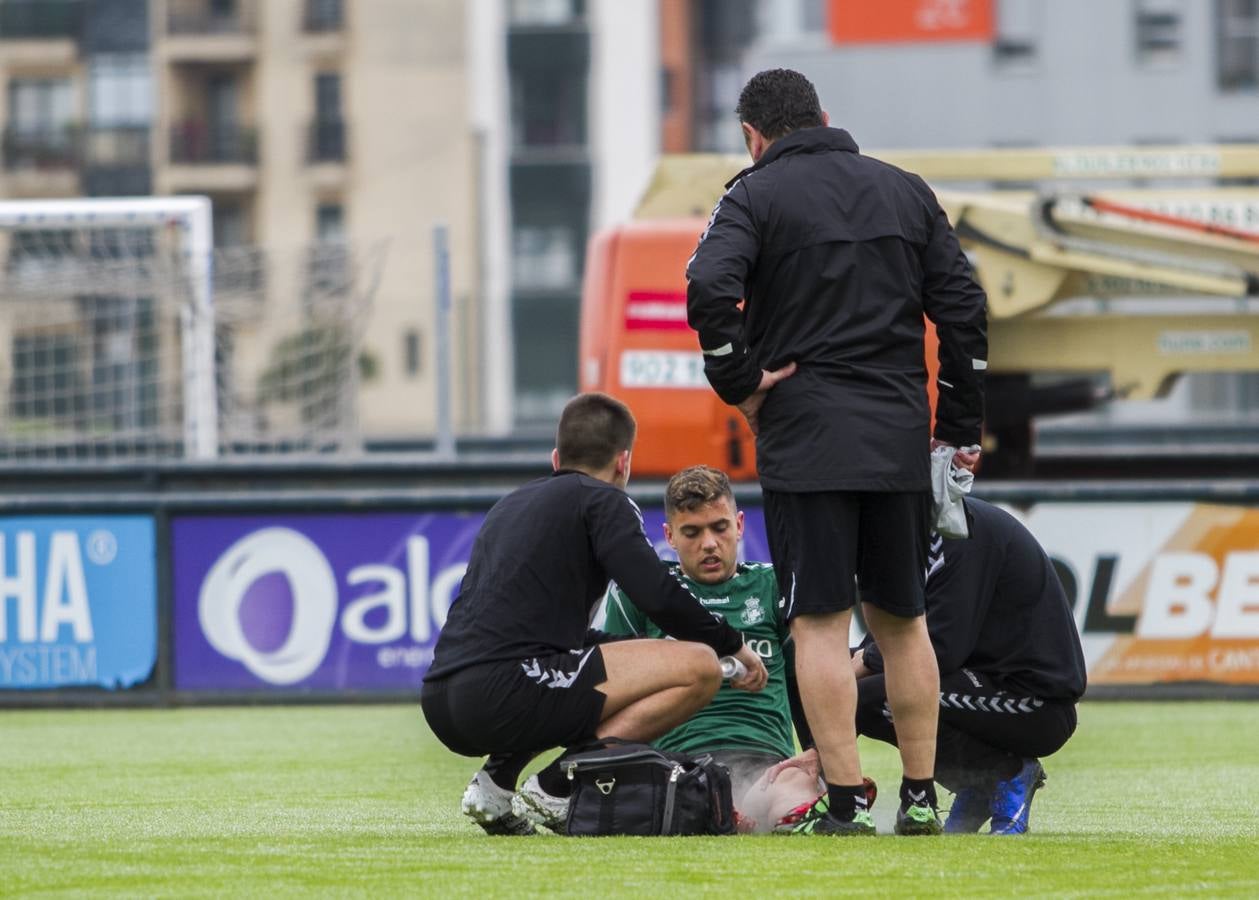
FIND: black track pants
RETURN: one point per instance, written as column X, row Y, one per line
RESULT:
column 985, row 731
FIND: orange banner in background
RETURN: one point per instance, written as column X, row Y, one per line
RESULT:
column 1196, row 604
column 909, row 21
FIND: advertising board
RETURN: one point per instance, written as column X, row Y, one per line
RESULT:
column 78, row 602
column 910, row 21
column 331, row 602
column 1163, row 592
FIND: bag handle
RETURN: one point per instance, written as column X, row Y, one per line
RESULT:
column 599, row 743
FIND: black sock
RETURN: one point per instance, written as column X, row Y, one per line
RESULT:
column 920, row 791
column 846, row 800
column 553, row 780
column 504, row 768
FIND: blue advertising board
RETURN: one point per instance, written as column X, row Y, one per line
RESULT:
column 339, row 601
column 78, row 601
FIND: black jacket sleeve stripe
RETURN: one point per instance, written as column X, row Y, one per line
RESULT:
column 716, row 278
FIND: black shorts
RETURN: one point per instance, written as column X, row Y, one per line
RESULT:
column 522, row 705
column 827, row 545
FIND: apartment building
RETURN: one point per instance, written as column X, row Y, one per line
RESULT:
column 312, row 125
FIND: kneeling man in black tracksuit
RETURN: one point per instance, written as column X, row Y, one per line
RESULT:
column 517, row 671
column 1011, row 670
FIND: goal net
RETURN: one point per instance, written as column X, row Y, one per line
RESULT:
column 124, row 336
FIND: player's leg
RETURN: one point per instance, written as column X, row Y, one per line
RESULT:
column 653, row 686
column 813, row 544
column 487, row 799
column 991, row 742
column 644, row 688
column 894, row 533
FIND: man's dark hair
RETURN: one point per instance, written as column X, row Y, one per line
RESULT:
column 779, row 101
column 594, row 428
column 697, row 486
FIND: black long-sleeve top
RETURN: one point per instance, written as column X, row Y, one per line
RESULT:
column 543, row 558
column 995, row 605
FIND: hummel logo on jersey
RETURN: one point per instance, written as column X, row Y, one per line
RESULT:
column 714, row 601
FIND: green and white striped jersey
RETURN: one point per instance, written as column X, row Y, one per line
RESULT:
column 734, row 720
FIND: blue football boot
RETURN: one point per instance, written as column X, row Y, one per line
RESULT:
column 1012, row 800
column 969, row 811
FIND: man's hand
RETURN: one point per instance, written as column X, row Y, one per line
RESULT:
column 756, row 676
column 808, row 760
column 859, row 667
column 965, row 457
column 751, row 407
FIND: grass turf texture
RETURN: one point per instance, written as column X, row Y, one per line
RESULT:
column 361, row 800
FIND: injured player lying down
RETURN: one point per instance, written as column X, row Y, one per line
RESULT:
column 748, row 733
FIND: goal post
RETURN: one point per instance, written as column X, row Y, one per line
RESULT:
column 125, row 335
column 191, row 217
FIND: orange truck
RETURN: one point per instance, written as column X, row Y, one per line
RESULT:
column 635, row 344
column 1174, row 248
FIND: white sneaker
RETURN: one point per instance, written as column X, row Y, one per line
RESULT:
column 490, row 806
column 541, row 808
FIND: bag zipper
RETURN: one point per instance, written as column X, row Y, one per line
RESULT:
column 666, row 819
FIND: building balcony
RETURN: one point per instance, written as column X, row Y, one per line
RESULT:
column 117, row 161
column 53, row 147
column 123, row 146
column 326, row 141
column 194, row 142
column 196, row 32
column 40, row 20
column 211, row 159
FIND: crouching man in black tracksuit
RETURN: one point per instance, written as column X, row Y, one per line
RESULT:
column 517, row 671
column 1011, row 670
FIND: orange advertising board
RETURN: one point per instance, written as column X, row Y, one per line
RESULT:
column 909, row 21
column 1163, row 592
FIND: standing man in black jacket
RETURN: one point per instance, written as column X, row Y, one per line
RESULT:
column 1011, row 670
column 837, row 258
column 517, row 670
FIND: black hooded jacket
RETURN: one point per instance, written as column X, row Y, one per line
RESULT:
column 839, row 256
column 995, row 605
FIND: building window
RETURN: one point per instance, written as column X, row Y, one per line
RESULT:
column 330, row 223
column 1019, row 25
column 120, row 90
column 548, row 109
column 1237, row 42
column 40, row 18
column 48, row 379
column 41, row 124
column 327, row 133
column 1160, row 30
column 40, row 104
column 411, row 348
column 546, row 12
column 229, row 224
column 543, row 258
column 324, row 15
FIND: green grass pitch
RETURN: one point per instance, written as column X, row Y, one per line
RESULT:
column 1154, row 799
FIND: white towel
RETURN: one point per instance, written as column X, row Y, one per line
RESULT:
column 949, row 484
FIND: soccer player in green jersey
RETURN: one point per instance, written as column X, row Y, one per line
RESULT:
column 748, row 733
